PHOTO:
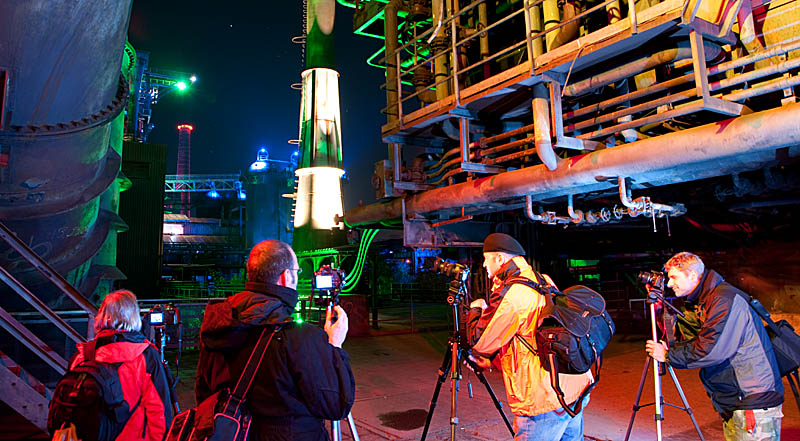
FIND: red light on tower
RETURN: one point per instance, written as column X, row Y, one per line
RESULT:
column 184, row 162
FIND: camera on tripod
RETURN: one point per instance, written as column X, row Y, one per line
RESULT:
column 654, row 279
column 165, row 322
column 450, row 269
column 326, row 285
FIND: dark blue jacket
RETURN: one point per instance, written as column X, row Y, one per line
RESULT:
column 302, row 381
column 726, row 339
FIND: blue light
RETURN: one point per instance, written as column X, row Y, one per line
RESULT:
column 213, row 194
column 258, row 166
column 296, row 153
column 242, row 195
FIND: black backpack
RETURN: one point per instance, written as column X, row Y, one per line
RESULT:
column 90, row 396
column 572, row 331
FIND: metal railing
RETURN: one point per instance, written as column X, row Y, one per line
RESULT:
column 456, row 72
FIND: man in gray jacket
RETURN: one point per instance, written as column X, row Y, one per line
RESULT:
column 726, row 339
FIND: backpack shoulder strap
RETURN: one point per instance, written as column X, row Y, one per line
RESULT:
column 762, row 312
column 90, row 350
column 253, row 363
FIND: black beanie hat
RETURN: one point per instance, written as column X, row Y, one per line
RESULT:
column 502, row 242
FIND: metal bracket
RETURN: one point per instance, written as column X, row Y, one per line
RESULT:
column 701, row 80
column 481, row 168
column 413, row 186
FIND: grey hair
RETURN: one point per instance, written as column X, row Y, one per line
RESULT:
column 686, row 261
column 119, row 311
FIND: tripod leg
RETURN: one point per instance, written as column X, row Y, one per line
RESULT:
column 455, row 375
column 442, row 375
column 636, row 405
column 336, row 430
column 793, row 382
column 685, row 402
column 352, row 424
column 497, row 404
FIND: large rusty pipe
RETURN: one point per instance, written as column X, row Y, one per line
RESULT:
column 715, row 149
column 682, row 51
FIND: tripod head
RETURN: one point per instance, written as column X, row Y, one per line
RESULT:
column 458, row 289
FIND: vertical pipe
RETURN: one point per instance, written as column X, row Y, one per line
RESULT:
column 536, row 27
column 392, row 72
column 440, row 63
column 541, row 127
column 552, row 17
column 483, row 21
column 454, row 52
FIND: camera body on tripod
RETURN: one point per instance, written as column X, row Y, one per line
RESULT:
column 655, row 280
column 164, row 321
column 326, row 285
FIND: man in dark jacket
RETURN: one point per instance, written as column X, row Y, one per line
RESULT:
column 724, row 337
column 305, row 377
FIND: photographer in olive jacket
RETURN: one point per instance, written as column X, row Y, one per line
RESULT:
column 305, row 377
column 724, row 337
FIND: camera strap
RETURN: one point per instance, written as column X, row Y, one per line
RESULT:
column 239, row 391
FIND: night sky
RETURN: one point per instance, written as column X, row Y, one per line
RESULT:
column 242, row 54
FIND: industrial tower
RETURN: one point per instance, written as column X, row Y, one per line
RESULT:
column 319, row 189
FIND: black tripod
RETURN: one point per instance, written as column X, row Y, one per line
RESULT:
column 654, row 295
column 452, row 364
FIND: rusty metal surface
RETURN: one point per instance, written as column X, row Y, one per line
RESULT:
column 64, row 88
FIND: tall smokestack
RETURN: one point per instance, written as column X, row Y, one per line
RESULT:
column 185, row 163
column 319, row 187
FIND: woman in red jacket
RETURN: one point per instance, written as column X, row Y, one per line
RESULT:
column 142, row 374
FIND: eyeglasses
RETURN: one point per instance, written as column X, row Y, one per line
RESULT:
column 299, row 270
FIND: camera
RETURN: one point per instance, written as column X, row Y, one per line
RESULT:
column 450, row 269
column 326, row 285
column 655, row 279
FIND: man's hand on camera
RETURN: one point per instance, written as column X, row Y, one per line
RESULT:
column 657, row 350
column 336, row 331
column 480, row 303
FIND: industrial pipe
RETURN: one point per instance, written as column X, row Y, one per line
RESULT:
column 529, row 210
column 541, row 125
column 682, row 51
column 569, row 31
column 712, row 70
column 701, row 152
column 575, row 215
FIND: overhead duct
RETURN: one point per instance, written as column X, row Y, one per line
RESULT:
column 742, row 143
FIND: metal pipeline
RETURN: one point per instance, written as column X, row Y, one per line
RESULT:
column 706, row 151
column 682, row 51
column 529, row 210
column 712, row 70
column 576, row 216
column 568, row 32
column 541, row 124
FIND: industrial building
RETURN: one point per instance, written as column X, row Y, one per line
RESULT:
column 604, row 135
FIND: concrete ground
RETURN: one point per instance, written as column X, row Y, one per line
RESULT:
column 396, row 376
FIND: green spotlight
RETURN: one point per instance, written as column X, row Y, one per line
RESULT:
column 181, row 85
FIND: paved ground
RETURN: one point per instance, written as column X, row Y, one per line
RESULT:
column 396, row 376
